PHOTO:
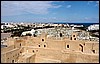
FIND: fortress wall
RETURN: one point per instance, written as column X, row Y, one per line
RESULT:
column 73, row 45
column 7, row 48
column 3, row 56
column 94, row 58
column 35, row 39
column 10, row 41
column 12, row 55
column 46, row 53
column 49, row 53
column 68, row 57
column 88, row 48
column 55, row 54
column 96, row 48
column 53, row 50
column 45, row 60
column 32, row 43
column 54, row 44
column 40, row 60
column 73, row 57
column 23, row 43
column 3, row 49
column 21, row 50
column 19, row 43
column 22, row 60
column 25, row 60
column 32, row 59
column 87, row 58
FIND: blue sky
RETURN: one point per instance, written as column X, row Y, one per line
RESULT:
column 50, row 11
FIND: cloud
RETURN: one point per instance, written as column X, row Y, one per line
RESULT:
column 91, row 19
column 57, row 6
column 68, row 6
column 24, row 7
column 90, row 2
column 97, row 3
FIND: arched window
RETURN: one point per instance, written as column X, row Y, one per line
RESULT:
column 73, row 35
column 44, row 45
column 74, row 38
column 42, row 39
column 60, row 34
column 93, row 51
column 20, row 44
column 81, row 47
column 39, row 45
column 33, row 51
column 12, row 61
column 67, row 46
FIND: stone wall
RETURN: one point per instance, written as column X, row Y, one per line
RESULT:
column 65, row 57
column 89, row 47
column 11, row 55
column 7, row 48
column 66, row 51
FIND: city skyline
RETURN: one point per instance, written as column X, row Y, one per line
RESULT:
column 50, row 11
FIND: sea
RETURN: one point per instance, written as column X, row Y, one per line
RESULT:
column 84, row 24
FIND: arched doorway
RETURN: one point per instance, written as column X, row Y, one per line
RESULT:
column 80, row 47
column 12, row 61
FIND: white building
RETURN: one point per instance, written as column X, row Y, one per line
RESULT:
column 93, row 27
column 32, row 32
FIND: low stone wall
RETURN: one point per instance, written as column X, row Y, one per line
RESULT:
column 65, row 57
column 79, row 58
column 46, row 60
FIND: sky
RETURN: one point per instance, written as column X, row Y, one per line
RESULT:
column 50, row 11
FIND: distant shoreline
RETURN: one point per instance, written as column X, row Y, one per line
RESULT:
column 85, row 24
